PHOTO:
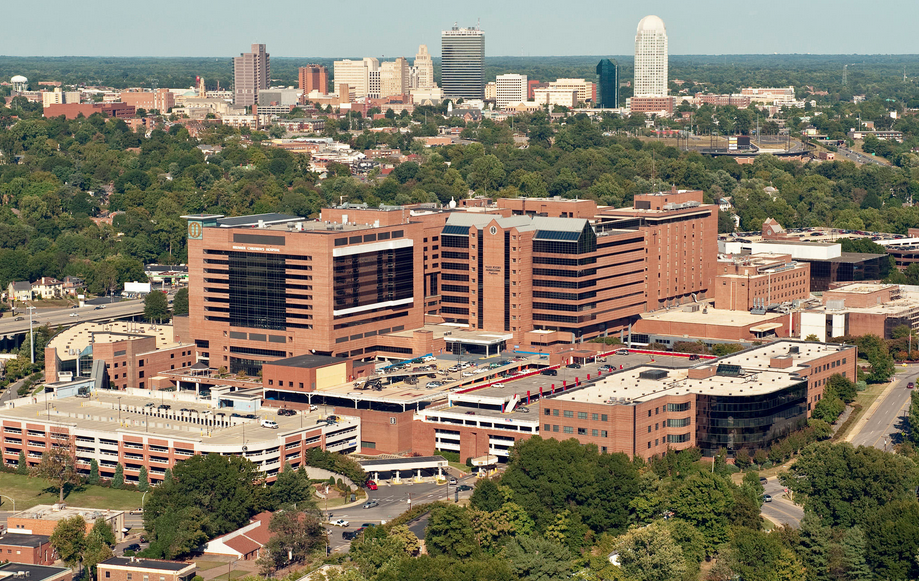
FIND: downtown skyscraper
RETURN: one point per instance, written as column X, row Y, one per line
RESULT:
column 651, row 58
column 462, row 63
column 251, row 73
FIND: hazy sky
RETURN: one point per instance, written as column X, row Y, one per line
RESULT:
column 304, row 28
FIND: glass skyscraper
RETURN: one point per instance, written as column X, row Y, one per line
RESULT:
column 462, row 63
column 607, row 84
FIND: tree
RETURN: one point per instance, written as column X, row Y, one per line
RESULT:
column 449, row 533
column 812, row 337
column 892, row 535
column 22, row 467
column 59, row 464
column 98, row 545
column 649, row 553
column 486, row 495
column 93, row 477
column 705, row 500
column 167, row 477
column 295, row 535
column 292, row 487
column 845, row 485
column 537, row 559
column 156, row 308
column 180, row 302
column 69, row 539
column 914, row 416
column 209, row 496
column 143, row 480
column 118, row 478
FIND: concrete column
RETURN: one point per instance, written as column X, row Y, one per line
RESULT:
column 418, row 475
column 397, row 479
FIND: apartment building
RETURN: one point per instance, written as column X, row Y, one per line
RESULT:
column 251, row 74
column 313, row 78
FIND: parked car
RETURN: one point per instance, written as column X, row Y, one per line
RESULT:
column 463, row 488
column 573, row 366
column 164, row 406
column 332, row 419
column 549, row 372
column 468, row 373
column 132, row 547
column 694, row 357
column 269, row 424
column 149, row 404
column 607, row 368
column 313, row 407
column 499, row 385
column 287, row 412
column 370, row 504
column 339, row 523
column 83, row 393
column 429, row 359
column 523, row 410
column 137, row 511
column 622, row 351
column 434, row 384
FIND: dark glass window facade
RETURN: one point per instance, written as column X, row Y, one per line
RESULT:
column 370, row 278
column 257, row 291
column 607, row 84
column 753, row 421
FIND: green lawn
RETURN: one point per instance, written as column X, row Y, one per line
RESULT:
column 27, row 492
column 208, row 565
column 236, row 575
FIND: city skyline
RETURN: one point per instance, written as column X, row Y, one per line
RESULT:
column 580, row 30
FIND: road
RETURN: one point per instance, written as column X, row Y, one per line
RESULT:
column 393, row 500
column 780, row 510
column 857, row 157
column 55, row 317
column 883, row 426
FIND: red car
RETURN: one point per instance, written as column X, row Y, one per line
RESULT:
column 910, row 385
column 370, row 485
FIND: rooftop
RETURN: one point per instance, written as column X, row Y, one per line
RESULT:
column 147, row 564
column 722, row 317
column 72, row 341
column 10, row 571
column 648, row 382
column 861, row 288
column 14, row 539
column 308, row 361
column 60, row 512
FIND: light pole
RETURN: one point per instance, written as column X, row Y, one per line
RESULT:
column 12, row 499
column 119, row 410
column 31, row 334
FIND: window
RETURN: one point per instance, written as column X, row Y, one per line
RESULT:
column 546, row 428
column 569, row 414
column 555, row 412
column 582, row 415
column 582, row 431
column 568, row 430
column 546, row 412
column 593, row 417
column 140, row 363
column 603, row 418
column 649, row 428
column 603, row 433
column 555, row 428
column 593, row 433
column 108, row 574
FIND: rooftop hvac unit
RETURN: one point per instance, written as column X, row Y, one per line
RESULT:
column 654, row 374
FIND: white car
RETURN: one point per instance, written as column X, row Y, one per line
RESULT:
column 74, row 314
column 429, row 359
column 269, row 424
column 339, row 523
column 468, row 373
column 498, row 385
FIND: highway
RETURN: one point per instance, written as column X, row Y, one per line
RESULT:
column 69, row 316
column 883, row 423
column 857, row 157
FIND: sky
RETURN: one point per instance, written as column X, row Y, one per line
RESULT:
column 355, row 28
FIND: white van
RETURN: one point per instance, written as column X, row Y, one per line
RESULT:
column 269, row 424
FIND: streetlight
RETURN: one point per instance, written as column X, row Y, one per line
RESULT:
column 31, row 334
column 12, row 499
column 119, row 410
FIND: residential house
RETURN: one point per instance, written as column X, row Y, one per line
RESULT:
column 20, row 291
column 47, row 287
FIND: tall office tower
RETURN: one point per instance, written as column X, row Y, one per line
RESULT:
column 394, row 78
column 462, row 63
column 424, row 68
column 607, row 84
column 357, row 75
column 651, row 57
column 314, row 78
column 251, row 73
column 510, row 89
